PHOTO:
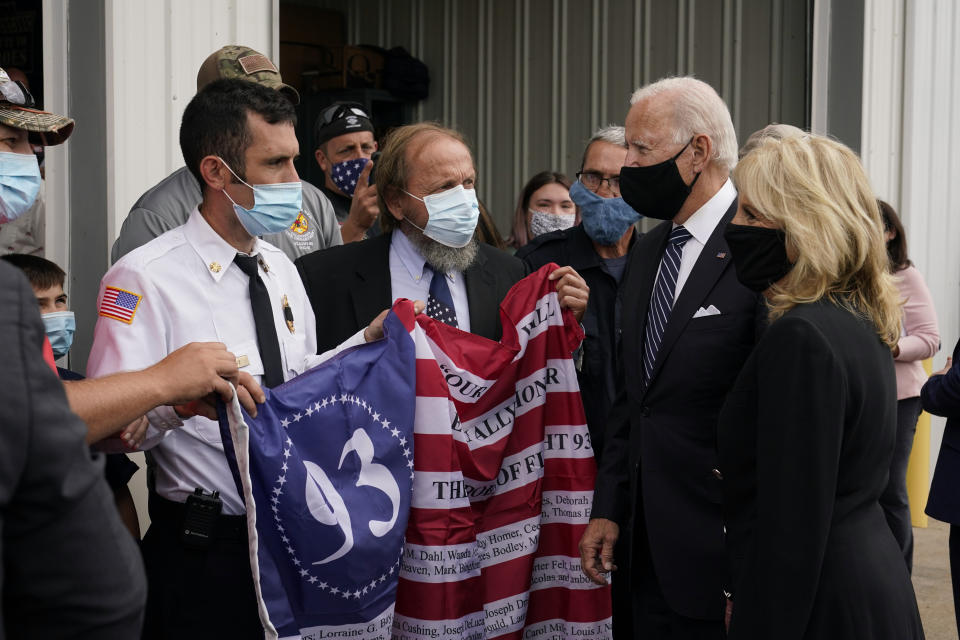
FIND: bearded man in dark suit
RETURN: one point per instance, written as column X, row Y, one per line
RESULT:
column 426, row 186
column 693, row 326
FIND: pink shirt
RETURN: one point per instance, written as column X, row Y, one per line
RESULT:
column 920, row 335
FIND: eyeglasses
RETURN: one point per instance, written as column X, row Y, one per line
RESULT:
column 337, row 111
column 592, row 180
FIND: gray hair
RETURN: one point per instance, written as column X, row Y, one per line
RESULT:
column 774, row 130
column 612, row 133
column 696, row 109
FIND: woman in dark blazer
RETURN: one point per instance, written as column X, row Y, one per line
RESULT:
column 806, row 436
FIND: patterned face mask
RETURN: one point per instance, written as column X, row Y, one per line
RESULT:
column 346, row 174
column 542, row 222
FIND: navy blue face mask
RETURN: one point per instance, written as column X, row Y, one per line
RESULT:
column 605, row 220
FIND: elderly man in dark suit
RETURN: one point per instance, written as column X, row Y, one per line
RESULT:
column 694, row 326
column 425, row 179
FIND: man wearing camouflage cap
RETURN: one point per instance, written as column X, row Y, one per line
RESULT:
column 168, row 204
column 69, row 568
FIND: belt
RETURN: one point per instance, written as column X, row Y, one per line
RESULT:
column 171, row 514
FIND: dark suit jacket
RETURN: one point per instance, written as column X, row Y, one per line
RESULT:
column 69, row 567
column 350, row 284
column 661, row 440
column 941, row 397
column 805, row 442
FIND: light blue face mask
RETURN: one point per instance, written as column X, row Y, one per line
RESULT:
column 605, row 220
column 59, row 327
column 275, row 206
column 453, row 216
column 19, row 184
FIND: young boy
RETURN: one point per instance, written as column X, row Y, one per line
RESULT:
column 47, row 278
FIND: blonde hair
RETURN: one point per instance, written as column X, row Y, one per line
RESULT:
column 816, row 190
column 772, row 130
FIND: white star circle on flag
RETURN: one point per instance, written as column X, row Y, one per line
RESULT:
column 281, row 480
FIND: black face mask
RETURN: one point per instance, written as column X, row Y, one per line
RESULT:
column 656, row 191
column 759, row 255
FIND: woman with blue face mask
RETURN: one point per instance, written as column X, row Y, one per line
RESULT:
column 544, row 206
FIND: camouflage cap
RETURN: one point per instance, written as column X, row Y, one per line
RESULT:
column 238, row 61
column 16, row 110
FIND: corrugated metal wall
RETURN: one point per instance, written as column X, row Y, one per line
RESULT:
column 528, row 80
column 133, row 68
column 153, row 52
column 910, row 143
column 930, row 138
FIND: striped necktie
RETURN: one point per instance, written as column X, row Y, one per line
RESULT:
column 661, row 304
column 440, row 301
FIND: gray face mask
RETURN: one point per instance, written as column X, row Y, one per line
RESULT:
column 542, row 222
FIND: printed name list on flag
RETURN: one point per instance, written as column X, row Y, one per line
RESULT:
column 433, row 484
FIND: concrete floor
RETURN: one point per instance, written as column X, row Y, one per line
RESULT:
column 931, row 580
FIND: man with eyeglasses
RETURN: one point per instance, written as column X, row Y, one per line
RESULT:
column 345, row 146
column 168, row 203
column 597, row 248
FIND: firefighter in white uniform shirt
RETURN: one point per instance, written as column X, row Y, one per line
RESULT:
column 192, row 284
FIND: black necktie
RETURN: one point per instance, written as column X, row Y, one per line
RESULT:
column 263, row 319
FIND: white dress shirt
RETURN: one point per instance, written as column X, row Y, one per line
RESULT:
column 701, row 225
column 190, row 290
column 408, row 280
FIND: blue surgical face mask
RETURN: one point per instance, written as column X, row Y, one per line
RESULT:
column 59, row 327
column 605, row 220
column 346, row 174
column 453, row 216
column 275, row 206
column 19, row 184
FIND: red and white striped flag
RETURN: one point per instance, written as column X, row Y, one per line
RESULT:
column 503, row 483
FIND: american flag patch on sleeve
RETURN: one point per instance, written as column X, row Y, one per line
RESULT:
column 119, row 304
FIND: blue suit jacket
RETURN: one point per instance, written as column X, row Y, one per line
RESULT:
column 941, row 397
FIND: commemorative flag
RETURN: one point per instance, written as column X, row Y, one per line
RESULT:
column 433, row 484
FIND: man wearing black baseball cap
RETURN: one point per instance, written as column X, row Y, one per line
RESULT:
column 345, row 145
